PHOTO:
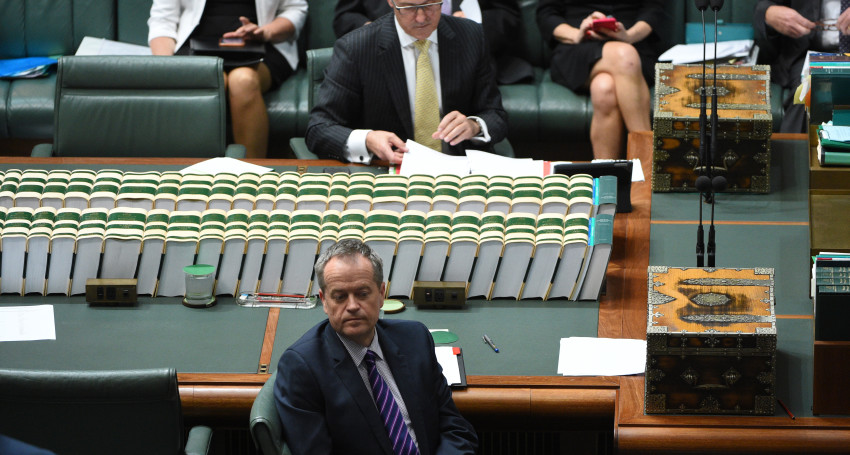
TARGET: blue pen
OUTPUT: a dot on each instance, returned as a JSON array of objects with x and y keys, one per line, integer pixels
[{"x": 490, "y": 343}]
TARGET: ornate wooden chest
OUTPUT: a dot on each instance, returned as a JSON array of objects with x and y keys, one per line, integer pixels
[
  {"x": 711, "y": 341},
  {"x": 744, "y": 126}
]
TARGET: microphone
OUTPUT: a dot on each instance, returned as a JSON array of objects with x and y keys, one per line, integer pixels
[
  {"x": 702, "y": 181},
  {"x": 713, "y": 183},
  {"x": 718, "y": 183},
  {"x": 703, "y": 185},
  {"x": 712, "y": 149}
]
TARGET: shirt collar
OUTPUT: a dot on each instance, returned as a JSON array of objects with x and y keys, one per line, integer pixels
[
  {"x": 406, "y": 40},
  {"x": 358, "y": 351}
]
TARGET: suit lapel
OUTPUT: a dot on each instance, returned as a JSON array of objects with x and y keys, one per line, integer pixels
[
  {"x": 409, "y": 393},
  {"x": 449, "y": 55},
  {"x": 389, "y": 54},
  {"x": 349, "y": 376}
]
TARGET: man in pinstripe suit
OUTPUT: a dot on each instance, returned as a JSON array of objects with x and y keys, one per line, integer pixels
[{"x": 365, "y": 104}]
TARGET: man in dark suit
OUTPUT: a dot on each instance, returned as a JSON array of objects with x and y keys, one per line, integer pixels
[
  {"x": 784, "y": 30},
  {"x": 325, "y": 380},
  {"x": 365, "y": 104},
  {"x": 501, "y": 20}
]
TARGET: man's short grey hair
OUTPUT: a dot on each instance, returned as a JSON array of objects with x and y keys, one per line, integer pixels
[{"x": 349, "y": 249}]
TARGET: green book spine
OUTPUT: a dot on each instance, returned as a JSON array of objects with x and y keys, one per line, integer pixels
[
  {"x": 836, "y": 158},
  {"x": 834, "y": 289}
]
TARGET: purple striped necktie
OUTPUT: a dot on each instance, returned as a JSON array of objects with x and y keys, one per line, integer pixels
[{"x": 389, "y": 410}]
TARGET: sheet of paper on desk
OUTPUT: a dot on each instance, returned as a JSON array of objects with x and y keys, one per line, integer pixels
[
  {"x": 99, "y": 46},
  {"x": 219, "y": 165},
  {"x": 422, "y": 160},
  {"x": 692, "y": 53},
  {"x": 27, "y": 323},
  {"x": 448, "y": 360},
  {"x": 836, "y": 133},
  {"x": 587, "y": 356},
  {"x": 488, "y": 164}
]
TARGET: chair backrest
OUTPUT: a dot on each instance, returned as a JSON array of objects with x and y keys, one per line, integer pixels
[
  {"x": 52, "y": 27},
  {"x": 264, "y": 423},
  {"x": 93, "y": 412},
  {"x": 140, "y": 106}
]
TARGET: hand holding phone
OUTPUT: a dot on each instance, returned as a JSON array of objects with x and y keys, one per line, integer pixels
[{"x": 605, "y": 23}]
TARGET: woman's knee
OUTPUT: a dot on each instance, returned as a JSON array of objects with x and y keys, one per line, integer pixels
[
  {"x": 603, "y": 93},
  {"x": 622, "y": 57},
  {"x": 243, "y": 81}
]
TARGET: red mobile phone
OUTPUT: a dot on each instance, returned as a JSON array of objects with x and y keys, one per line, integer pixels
[
  {"x": 609, "y": 22},
  {"x": 231, "y": 42}
]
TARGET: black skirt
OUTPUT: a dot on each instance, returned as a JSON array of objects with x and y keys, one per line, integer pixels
[{"x": 571, "y": 63}]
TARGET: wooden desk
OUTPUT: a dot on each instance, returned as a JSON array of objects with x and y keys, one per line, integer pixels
[
  {"x": 550, "y": 402},
  {"x": 536, "y": 402},
  {"x": 636, "y": 433}
]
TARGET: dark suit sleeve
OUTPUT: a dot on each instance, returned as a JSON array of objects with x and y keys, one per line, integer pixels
[
  {"x": 652, "y": 12},
  {"x": 767, "y": 39},
  {"x": 352, "y": 14},
  {"x": 501, "y": 21},
  {"x": 339, "y": 101},
  {"x": 300, "y": 406},
  {"x": 550, "y": 14}
]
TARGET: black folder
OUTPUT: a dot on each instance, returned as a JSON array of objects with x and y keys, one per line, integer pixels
[{"x": 234, "y": 56}]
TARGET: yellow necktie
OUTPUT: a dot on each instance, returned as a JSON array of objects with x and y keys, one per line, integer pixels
[{"x": 426, "y": 116}]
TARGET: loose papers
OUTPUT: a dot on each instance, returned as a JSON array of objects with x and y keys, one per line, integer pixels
[
  {"x": 26, "y": 323},
  {"x": 587, "y": 356}
]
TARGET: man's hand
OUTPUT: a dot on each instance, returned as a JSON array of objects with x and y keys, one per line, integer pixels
[
  {"x": 456, "y": 128},
  {"x": 386, "y": 146},
  {"x": 789, "y": 22},
  {"x": 843, "y": 22}
]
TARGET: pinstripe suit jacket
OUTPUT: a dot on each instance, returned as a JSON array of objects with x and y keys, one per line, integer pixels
[{"x": 365, "y": 87}]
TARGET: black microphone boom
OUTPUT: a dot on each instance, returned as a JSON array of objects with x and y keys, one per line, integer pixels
[
  {"x": 718, "y": 182},
  {"x": 701, "y": 159}
]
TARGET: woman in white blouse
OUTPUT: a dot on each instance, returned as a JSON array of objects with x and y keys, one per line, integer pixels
[{"x": 276, "y": 23}]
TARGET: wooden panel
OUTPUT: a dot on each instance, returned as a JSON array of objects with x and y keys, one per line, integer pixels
[{"x": 831, "y": 370}]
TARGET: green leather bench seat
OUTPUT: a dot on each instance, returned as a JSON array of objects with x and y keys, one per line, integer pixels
[{"x": 30, "y": 28}]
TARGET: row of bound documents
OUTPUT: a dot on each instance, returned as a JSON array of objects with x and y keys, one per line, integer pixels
[{"x": 510, "y": 247}]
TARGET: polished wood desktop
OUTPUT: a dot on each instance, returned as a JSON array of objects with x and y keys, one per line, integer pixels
[{"x": 547, "y": 401}]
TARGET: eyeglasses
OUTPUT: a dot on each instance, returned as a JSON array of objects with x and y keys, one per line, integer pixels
[
  {"x": 427, "y": 8},
  {"x": 827, "y": 24}
]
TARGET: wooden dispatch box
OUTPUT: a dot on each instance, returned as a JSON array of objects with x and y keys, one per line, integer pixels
[
  {"x": 711, "y": 341},
  {"x": 744, "y": 126}
]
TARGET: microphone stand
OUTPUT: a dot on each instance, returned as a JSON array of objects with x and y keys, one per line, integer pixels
[
  {"x": 701, "y": 159},
  {"x": 718, "y": 183}
]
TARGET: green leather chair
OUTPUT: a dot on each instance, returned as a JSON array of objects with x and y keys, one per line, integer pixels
[
  {"x": 98, "y": 412},
  {"x": 140, "y": 106},
  {"x": 264, "y": 422}
]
